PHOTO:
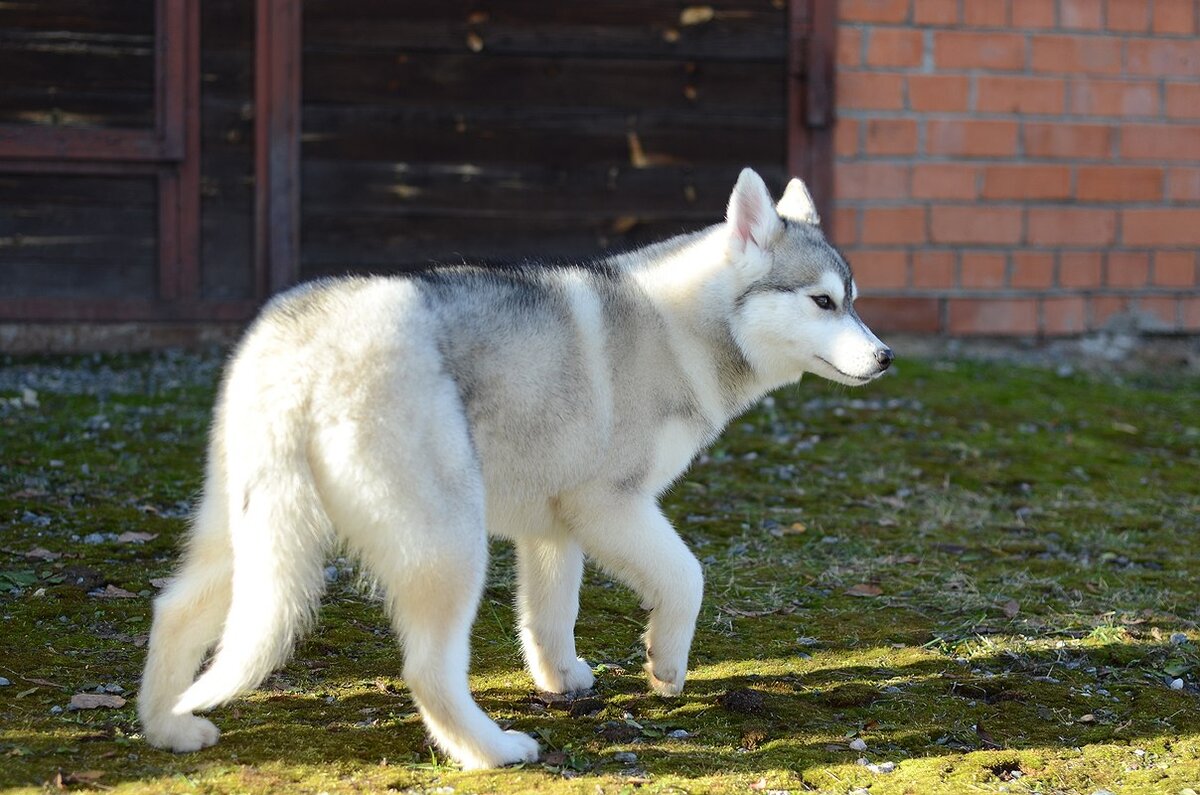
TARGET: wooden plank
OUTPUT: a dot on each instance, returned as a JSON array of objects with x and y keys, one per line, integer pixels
[
  {"x": 93, "y": 16},
  {"x": 88, "y": 310},
  {"x": 812, "y": 37},
  {"x": 739, "y": 30},
  {"x": 277, "y": 144},
  {"x": 434, "y": 80},
  {"x": 79, "y": 143}
]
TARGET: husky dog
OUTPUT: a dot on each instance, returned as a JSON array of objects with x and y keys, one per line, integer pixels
[{"x": 408, "y": 418}]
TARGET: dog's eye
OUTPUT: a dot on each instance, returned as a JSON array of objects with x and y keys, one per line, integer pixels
[{"x": 823, "y": 301}]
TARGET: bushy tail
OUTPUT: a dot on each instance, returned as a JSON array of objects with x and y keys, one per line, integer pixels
[{"x": 280, "y": 534}]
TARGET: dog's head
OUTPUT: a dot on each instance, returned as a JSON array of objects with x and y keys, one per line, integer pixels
[{"x": 794, "y": 311}]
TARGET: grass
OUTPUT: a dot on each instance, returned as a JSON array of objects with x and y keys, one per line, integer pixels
[{"x": 987, "y": 573}]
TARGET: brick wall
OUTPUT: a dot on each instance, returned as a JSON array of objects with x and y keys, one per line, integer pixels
[{"x": 1020, "y": 167}]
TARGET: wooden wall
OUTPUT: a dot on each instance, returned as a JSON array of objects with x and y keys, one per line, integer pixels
[{"x": 530, "y": 128}]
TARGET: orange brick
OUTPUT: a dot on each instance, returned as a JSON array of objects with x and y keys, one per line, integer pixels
[
  {"x": 849, "y": 46},
  {"x": 1118, "y": 184},
  {"x": 1160, "y": 142},
  {"x": 1026, "y": 182},
  {"x": 870, "y": 90},
  {"x": 933, "y": 269},
  {"x": 1162, "y": 309},
  {"x": 995, "y": 316},
  {"x": 1032, "y": 270},
  {"x": 1080, "y": 269},
  {"x": 1189, "y": 314},
  {"x": 1129, "y": 15},
  {"x": 880, "y": 269},
  {"x": 869, "y": 180},
  {"x": 1068, "y": 140},
  {"x": 891, "y": 137},
  {"x": 982, "y": 270},
  {"x": 1049, "y": 226},
  {"x": 845, "y": 138},
  {"x": 1033, "y": 13},
  {"x": 1164, "y": 57},
  {"x": 1067, "y": 315},
  {"x": 954, "y": 49},
  {"x": 1114, "y": 98},
  {"x": 1184, "y": 185},
  {"x": 1175, "y": 269},
  {"x": 1174, "y": 17},
  {"x": 971, "y": 138},
  {"x": 1183, "y": 100},
  {"x": 918, "y": 315},
  {"x": 984, "y": 14},
  {"x": 845, "y": 224},
  {"x": 1077, "y": 54},
  {"x": 1105, "y": 307},
  {"x": 975, "y": 224},
  {"x": 1128, "y": 269},
  {"x": 893, "y": 225},
  {"x": 936, "y": 12},
  {"x": 1163, "y": 226},
  {"x": 1081, "y": 14},
  {"x": 944, "y": 181},
  {"x": 1002, "y": 94},
  {"x": 873, "y": 10},
  {"x": 895, "y": 47},
  {"x": 938, "y": 92}
]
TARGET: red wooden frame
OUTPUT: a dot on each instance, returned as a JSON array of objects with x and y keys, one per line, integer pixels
[
  {"x": 277, "y": 64},
  {"x": 170, "y": 151},
  {"x": 812, "y": 36}
]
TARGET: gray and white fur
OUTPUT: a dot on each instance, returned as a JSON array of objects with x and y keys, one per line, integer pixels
[{"x": 408, "y": 418}]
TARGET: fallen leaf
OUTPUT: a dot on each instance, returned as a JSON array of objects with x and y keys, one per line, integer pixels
[
  {"x": 1011, "y": 608},
  {"x": 28, "y": 692},
  {"x": 696, "y": 15},
  {"x": 113, "y": 592},
  {"x": 985, "y": 737},
  {"x": 864, "y": 589},
  {"x": 474, "y": 42},
  {"x": 95, "y": 700},
  {"x": 1088, "y": 718},
  {"x": 136, "y": 538},
  {"x": 786, "y": 610},
  {"x": 796, "y": 527},
  {"x": 40, "y": 553}
]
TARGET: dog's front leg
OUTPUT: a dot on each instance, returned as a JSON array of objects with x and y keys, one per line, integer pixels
[{"x": 631, "y": 539}]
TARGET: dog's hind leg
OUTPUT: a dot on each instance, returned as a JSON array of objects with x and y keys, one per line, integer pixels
[
  {"x": 549, "y": 572},
  {"x": 188, "y": 616}
]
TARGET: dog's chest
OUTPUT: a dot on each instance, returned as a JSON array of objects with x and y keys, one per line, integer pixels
[{"x": 675, "y": 443}]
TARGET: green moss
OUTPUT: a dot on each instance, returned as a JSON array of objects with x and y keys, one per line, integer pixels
[{"x": 1033, "y": 537}]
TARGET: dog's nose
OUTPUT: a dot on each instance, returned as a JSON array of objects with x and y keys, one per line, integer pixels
[{"x": 884, "y": 357}]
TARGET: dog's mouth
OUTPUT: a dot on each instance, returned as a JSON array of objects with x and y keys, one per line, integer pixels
[{"x": 859, "y": 379}]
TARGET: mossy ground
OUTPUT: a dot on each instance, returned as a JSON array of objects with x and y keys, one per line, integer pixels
[{"x": 1027, "y": 543}]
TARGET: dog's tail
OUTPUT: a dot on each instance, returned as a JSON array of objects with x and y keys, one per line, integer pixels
[{"x": 280, "y": 534}]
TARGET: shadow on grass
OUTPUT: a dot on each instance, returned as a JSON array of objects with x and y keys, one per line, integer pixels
[{"x": 934, "y": 707}]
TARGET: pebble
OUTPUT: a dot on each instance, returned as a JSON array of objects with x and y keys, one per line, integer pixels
[
  {"x": 55, "y": 710},
  {"x": 1178, "y": 638},
  {"x": 860, "y": 791},
  {"x": 1177, "y": 684},
  {"x": 678, "y": 734},
  {"x": 858, "y": 744},
  {"x": 331, "y": 574},
  {"x": 4, "y": 682},
  {"x": 625, "y": 757}
]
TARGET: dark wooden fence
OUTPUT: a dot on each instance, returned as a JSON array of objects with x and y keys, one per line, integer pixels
[{"x": 424, "y": 130}]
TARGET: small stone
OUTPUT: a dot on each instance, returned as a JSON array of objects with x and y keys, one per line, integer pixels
[
  {"x": 860, "y": 791},
  {"x": 4, "y": 682},
  {"x": 1102, "y": 792},
  {"x": 678, "y": 734},
  {"x": 858, "y": 744},
  {"x": 625, "y": 757},
  {"x": 55, "y": 710},
  {"x": 29, "y": 397},
  {"x": 1177, "y": 684},
  {"x": 331, "y": 574},
  {"x": 1178, "y": 638},
  {"x": 885, "y": 767}
]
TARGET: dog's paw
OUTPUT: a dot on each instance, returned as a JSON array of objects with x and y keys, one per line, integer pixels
[
  {"x": 509, "y": 748},
  {"x": 183, "y": 734},
  {"x": 664, "y": 680},
  {"x": 575, "y": 675}
]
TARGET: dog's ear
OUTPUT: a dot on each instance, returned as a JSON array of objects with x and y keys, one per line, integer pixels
[
  {"x": 751, "y": 216},
  {"x": 797, "y": 204}
]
